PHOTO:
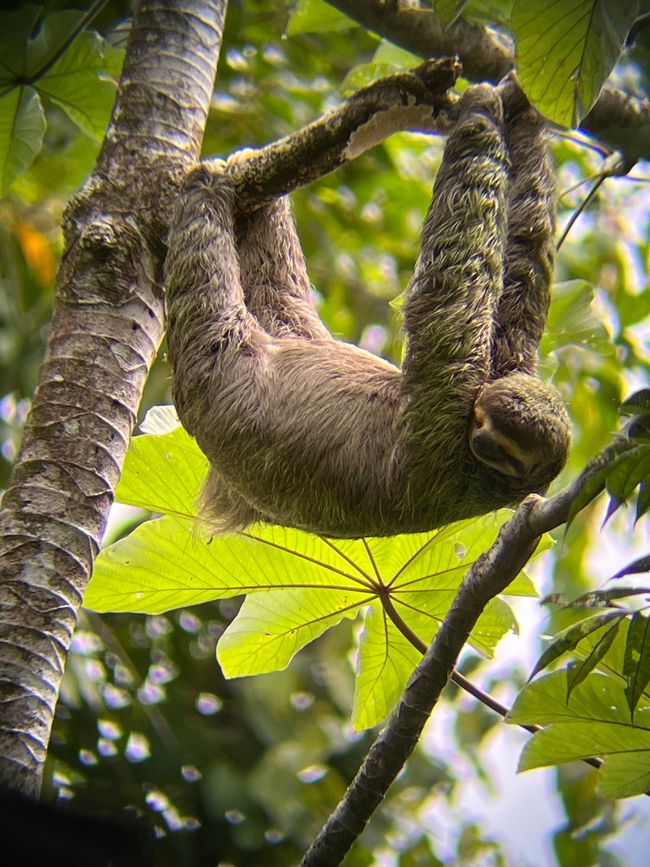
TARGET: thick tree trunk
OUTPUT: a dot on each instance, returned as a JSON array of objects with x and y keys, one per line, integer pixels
[{"x": 106, "y": 329}]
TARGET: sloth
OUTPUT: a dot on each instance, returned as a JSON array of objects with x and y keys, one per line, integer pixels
[{"x": 306, "y": 431}]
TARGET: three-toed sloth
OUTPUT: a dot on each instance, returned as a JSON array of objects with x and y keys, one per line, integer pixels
[{"x": 306, "y": 431}]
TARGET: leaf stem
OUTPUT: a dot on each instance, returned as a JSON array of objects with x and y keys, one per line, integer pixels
[{"x": 459, "y": 679}]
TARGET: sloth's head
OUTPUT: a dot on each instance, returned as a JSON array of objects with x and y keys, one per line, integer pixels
[{"x": 520, "y": 429}]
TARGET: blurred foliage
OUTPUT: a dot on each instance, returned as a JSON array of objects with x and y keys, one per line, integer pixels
[{"x": 243, "y": 772}]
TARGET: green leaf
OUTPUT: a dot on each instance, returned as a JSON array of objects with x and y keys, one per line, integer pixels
[
  {"x": 594, "y": 721},
  {"x": 305, "y": 583},
  {"x": 271, "y": 628},
  {"x": 637, "y": 403},
  {"x": 572, "y": 321},
  {"x": 599, "y": 698},
  {"x": 625, "y": 473},
  {"x": 165, "y": 564},
  {"x": 569, "y": 638},
  {"x": 22, "y": 128},
  {"x": 566, "y": 51},
  {"x": 489, "y": 11},
  {"x": 163, "y": 473},
  {"x": 83, "y": 81},
  {"x": 522, "y": 585},
  {"x": 579, "y": 671},
  {"x": 626, "y": 771},
  {"x": 316, "y": 16},
  {"x": 385, "y": 663},
  {"x": 636, "y": 661},
  {"x": 387, "y": 59},
  {"x": 448, "y": 11},
  {"x": 626, "y": 774},
  {"x": 15, "y": 31},
  {"x": 76, "y": 82}
]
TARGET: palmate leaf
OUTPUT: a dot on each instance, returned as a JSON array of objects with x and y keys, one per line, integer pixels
[
  {"x": 594, "y": 721},
  {"x": 297, "y": 584},
  {"x": 387, "y": 658},
  {"x": 301, "y": 585},
  {"x": 385, "y": 661},
  {"x": 83, "y": 81},
  {"x": 165, "y": 564},
  {"x": 22, "y": 120},
  {"x": 272, "y": 627}
]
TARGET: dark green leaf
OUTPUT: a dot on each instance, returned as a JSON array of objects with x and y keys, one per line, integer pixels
[
  {"x": 636, "y": 566},
  {"x": 571, "y": 637},
  {"x": 639, "y": 428},
  {"x": 625, "y": 474},
  {"x": 83, "y": 81},
  {"x": 643, "y": 501},
  {"x": 637, "y": 403},
  {"x": 636, "y": 663},
  {"x": 579, "y": 671},
  {"x": 15, "y": 31}
]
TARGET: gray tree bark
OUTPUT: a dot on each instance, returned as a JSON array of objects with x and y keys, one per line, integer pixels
[{"x": 106, "y": 329}]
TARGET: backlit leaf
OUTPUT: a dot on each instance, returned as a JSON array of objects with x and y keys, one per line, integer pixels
[{"x": 566, "y": 50}]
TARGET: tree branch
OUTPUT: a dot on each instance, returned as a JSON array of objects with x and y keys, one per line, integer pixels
[
  {"x": 616, "y": 119},
  {"x": 106, "y": 328},
  {"x": 418, "y": 99},
  {"x": 489, "y": 575}
]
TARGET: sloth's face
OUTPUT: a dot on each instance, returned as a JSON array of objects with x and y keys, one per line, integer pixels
[
  {"x": 496, "y": 448},
  {"x": 520, "y": 429}
]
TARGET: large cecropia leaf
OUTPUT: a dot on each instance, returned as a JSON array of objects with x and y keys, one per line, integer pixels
[{"x": 297, "y": 584}]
